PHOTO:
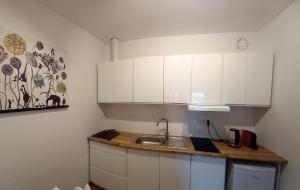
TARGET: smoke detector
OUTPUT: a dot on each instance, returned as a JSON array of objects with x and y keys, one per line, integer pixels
[{"x": 242, "y": 43}]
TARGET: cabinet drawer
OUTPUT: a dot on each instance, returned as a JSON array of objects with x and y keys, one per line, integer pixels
[
  {"x": 109, "y": 162},
  {"x": 108, "y": 149},
  {"x": 107, "y": 180}
]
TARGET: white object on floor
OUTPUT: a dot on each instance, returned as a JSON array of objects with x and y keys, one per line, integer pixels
[
  {"x": 56, "y": 188},
  {"x": 78, "y": 188},
  {"x": 86, "y": 187}
]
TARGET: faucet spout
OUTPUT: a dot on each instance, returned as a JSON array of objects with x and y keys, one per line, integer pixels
[{"x": 167, "y": 127}]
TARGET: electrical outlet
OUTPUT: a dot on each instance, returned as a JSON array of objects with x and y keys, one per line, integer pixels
[{"x": 203, "y": 123}]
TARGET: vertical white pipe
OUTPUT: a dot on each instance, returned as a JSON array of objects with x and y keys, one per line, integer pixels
[{"x": 115, "y": 48}]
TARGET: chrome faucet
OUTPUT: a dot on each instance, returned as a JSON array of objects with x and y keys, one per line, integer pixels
[{"x": 167, "y": 129}]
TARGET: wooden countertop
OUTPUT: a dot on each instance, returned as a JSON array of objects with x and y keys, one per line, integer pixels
[{"x": 127, "y": 140}]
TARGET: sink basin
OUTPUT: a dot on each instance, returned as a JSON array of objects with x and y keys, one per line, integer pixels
[
  {"x": 153, "y": 140},
  {"x": 158, "y": 140},
  {"x": 178, "y": 142}
]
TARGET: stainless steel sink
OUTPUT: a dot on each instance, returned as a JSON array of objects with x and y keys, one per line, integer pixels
[
  {"x": 152, "y": 140},
  {"x": 178, "y": 142},
  {"x": 158, "y": 140}
]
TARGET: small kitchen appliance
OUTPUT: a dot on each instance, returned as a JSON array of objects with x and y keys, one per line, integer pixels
[
  {"x": 246, "y": 176},
  {"x": 249, "y": 139},
  {"x": 234, "y": 138}
]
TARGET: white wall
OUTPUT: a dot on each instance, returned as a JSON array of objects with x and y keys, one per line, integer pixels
[
  {"x": 142, "y": 118},
  {"x": 42, "y": 149},
  {"x": 279, "y": 128},
  {"x": 202, "y": 43}
]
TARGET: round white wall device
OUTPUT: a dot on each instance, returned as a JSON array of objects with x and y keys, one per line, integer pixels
[{"x": 242, "y": 43}]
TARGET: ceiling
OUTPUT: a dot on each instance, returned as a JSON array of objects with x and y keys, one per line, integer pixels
[{"x": 134, "y": 19}]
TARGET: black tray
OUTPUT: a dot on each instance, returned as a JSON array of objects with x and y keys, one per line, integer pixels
[{"x": 107, "y": 134}]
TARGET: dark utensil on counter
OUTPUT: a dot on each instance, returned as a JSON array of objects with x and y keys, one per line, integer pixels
[
  {"x": 107, "y": 134},
  {"x": 234, "y": 142}
]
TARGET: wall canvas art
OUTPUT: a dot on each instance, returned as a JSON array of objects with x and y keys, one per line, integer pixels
[{"x": 32, "y": 75}]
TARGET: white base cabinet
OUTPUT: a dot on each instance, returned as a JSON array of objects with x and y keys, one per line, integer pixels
[
  {"x": 208, "y": 173},
  {"x": 174, "y": 171},
  {"x": 108, "y": 166},
  {"x": 115, "y": 168},
  {"x": 106, "y": 179},
  {"x": 143, "y": 170}
]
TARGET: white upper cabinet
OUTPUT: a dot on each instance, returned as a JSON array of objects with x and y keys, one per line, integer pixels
[
  {"x": 234, "y": 78},
  {"x": 207, "y": 79},
  {"x": 148, "y": 80},
  {"x": 259, "y": 79},
  {"x": 105, "y": 82},
  {"x": 177, "y": 79},
  {"x": 123, "y": 81}
]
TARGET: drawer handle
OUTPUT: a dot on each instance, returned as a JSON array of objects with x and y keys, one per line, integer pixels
[{"x": 254, "y": 177}]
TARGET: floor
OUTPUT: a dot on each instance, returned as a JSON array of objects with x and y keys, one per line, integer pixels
[{"x": 93, "y": 187}]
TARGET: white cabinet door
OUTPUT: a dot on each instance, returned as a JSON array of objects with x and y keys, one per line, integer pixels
[
  {"x": 106, "y": 179},
  {"x": 175, "y": 171},
  {"x": 207, "y": 79},
  {"x": 123, "y": 80},
  {"x": 259, "y": 79},
  {"x": 148, "y": 80},
  {"x": 177, "y": 79},
  {"x": 207, "y": 173},
  {"x": 142, "y": 170},
  {"x": 105, "y": 82},
  {"x": 234, "y": 79}
]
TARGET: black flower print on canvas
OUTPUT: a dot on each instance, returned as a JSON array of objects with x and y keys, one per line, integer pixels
[{"x": 33, "y": 76}]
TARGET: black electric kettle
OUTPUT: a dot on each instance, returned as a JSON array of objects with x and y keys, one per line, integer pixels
[{"x": 234, "y": 138}]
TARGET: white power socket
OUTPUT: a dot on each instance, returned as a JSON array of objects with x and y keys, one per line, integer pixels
[{"x": 203, "y": 123}]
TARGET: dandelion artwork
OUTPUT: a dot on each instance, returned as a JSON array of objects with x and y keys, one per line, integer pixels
[{"x": 32, "y": 75}]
